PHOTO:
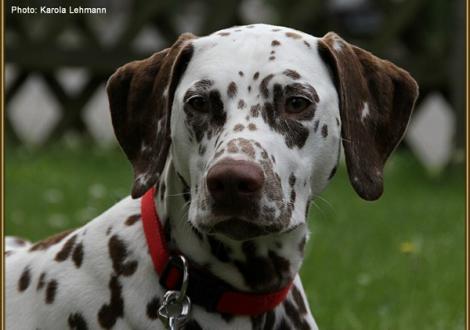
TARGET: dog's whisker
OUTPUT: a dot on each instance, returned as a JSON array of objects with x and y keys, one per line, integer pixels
[
  {"x": 324, "y": 200},
  {"x": 323, "y": 214}
]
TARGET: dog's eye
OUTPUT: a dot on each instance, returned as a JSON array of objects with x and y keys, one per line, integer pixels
[
  {"x": 297, "y": 104},
  {"x": 198, "y": 103}
]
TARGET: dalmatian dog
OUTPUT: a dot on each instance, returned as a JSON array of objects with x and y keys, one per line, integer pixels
[{"x": 238, "y": 131}]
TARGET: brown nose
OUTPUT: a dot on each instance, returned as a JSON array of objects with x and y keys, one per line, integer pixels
[{"x": 234, "y": 181}]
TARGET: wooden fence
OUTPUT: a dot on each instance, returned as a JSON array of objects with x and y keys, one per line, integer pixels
[{"x": 426, "y": 37}]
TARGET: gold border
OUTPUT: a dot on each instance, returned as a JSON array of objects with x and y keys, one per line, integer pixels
[
  {"x": 2, "y": 164},
  {"x": 2, "y": 146},
  {"x": 2, "y": 176}
]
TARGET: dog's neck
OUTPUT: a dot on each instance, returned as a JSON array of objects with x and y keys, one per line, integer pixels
[{"x": 263, "y": 264}]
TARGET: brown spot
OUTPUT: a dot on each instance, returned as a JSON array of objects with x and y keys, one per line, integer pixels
[
  {"x": 25, "y": 279},
  {"x": 108, "y": 231},
  {"x": 252, "y": 127},
  {"x": 299, "y": 300},
  {"x": 240, "y": 73},
  {"x": 293, "y": 35},
  {"x": 202, "y": 149},
  {"x": 44, "y": 244},
  {"x": 337, "y": 121},
  {"x": 246, "y": 147},
  {"x": 263, "y": 273},
  {"x": 276, "y": 30},
  {"x": 223, "y": 34},
  {"x": 238, "y": 128},
  {"x": 315, "y": 126},
  {"x": 292, "y": 74},
  {"x": 292, "y": 179},
  {"x": 51, "y": 291},
  {"x": 77, "y": 255},
  {"x": 109, "y": 313},
  {"x": 275, "y": 43},
  {"x": 264, "y": 85},
  {"x": 324, "y": 131},
  {"x": 273, "y": 52},
  {"x": 272, "y": 58},
  {"x": 256, "y": 75},
  {"x": 306, "y": 43},
  {"x": 255, "y": 110},
  {"x": 118, "y": 253},
  {"x": 241, "y": 104},
  {"x": 132, "y": 219},
  {"x": 304, "y": 239},
  {"x": 292, "y": 197},
  {"x": 232, "y": 89},
  {"x": 77, "y": 322},
  {"x": 152, "y": 308},
  {"x": 232, "y": 147},
  {"x": 41, "y": 281},
  {"x": 9, "y": 253},
  {"x": 219, "y": 249},
  {"x": 293, "y": 314},
  {"x": 249, "y": 88},
  {"x": 269, "y": 321},
  {"x": 19, "y": 241},
  {"x": 64, "y": 253}
]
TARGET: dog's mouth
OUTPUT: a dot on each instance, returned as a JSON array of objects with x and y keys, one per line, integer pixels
[{"x": 239, "y": 229}]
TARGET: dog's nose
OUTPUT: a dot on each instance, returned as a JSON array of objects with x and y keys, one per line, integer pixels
[{"x": 231, "y": 181}]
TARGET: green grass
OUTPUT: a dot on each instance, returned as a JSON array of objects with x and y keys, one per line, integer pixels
[{"x": 397, "y": 263}]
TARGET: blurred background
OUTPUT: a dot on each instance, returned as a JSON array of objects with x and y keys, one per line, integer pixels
[{"x": 397, "y": 263}]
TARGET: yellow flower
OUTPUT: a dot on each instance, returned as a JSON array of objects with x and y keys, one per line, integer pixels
[{"x": 407, "y": 247}]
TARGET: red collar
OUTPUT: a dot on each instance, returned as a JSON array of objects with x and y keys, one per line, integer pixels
[{"x": 204, "y": 288}]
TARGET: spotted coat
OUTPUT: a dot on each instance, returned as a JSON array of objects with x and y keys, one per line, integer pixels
[{"x": 283, "y": 109}]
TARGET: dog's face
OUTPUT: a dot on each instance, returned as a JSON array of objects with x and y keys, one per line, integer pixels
[
  {"x": 255, "y": 129},
  {"x": 254, "y": 116}
]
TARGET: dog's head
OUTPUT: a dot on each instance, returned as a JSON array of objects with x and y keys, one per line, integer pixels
[{"x": 254, "y": 117}]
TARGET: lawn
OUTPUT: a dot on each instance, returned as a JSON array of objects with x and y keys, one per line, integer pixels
[{"x": 397, "y": 263}]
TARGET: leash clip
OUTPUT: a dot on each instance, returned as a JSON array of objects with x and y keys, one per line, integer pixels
[{"x": 176, "y": 305}]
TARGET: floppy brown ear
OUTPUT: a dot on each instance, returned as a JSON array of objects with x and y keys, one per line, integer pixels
[
  {"x": 376, "y": 99},
  {"x": 140, "y": 96}
]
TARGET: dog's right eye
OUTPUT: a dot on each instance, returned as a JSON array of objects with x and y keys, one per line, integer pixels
[{"x": 198, "y": 103}]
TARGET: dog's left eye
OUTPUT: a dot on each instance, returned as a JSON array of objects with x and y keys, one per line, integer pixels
[
  {"x": 198, "y": 103},
  {"x": 297, "y": 104}
]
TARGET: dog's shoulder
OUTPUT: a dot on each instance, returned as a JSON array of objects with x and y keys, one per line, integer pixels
[{"x": 66, "y": 270}]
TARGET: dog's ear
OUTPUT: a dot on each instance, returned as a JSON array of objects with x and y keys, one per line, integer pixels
[
  {"x": 376, "y": 99},
  {"x": 140, "y": 96}
]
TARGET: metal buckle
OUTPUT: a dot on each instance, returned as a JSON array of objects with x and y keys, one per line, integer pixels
[{"x": 176, "y": 306}]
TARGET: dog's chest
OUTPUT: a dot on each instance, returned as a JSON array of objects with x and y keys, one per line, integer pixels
[{"x": 64, "y": 283}]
